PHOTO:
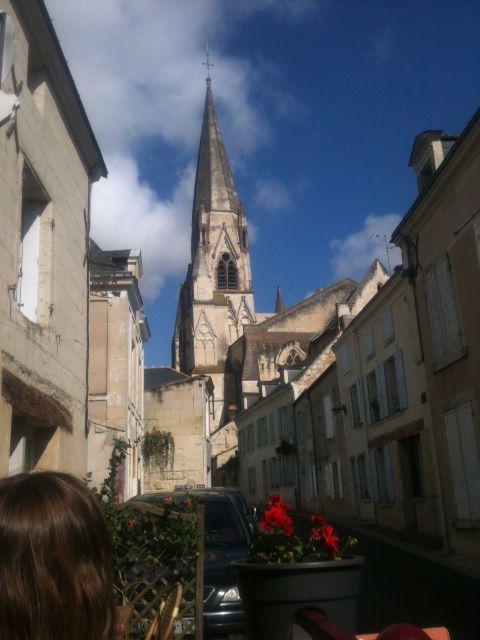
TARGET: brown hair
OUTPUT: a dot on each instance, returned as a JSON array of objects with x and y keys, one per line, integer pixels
[{"x": 55, "y": 561}]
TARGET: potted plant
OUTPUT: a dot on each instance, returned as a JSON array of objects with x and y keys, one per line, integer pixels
[{"x": 283, "y": 574}]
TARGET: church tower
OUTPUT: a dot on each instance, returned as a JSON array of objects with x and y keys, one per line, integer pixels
[{"x": 216, "y": 299}]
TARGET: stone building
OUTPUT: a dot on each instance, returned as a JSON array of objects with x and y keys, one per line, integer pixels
[
  {"x": 178, "y": 409},
  {"x": 216, "y": 299},
  {"x": 118, "y": 333},
  {"x": 390, "y": 461},
  {"x": 274, "y": 363},
  {"x": 49, "y": 160},
  {"x": 440, "y": 242}
]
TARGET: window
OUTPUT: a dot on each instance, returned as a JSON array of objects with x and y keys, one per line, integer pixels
[
  {"x": 344, "y": 359},
  {"x": 363, "y": 478},
  {"x": 353, "y": 397},
  {"x": 313, "y": 475},
  {"x": 250, "y": 438},
  {"x": 368, "y": 338},
  {"x": 442, "y": 312},
  {"x": 327, "y": 409},
  {"x": 415, "y": 464},
  {"x": 333, "y": 480},
  {"x": 294, "y": 359},
  {"x": 226, "y": 273},
  {"x": 262, "y": 432},
  {"x": 464, "y": 463},
  {"x": 32, "y": 262},
  {"x": 272, "y": 436},
  {"x": 395, "y": 380},
  {"x": 382, "y": 475},
  {"x": 387, "y": 325},
  {"x": 252, "y": 480},
  {"x": 241, "y": 442},
  {"x": 373, "y": 409}
]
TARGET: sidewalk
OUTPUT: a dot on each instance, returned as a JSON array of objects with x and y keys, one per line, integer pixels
[{"x": 418, "y": 544}]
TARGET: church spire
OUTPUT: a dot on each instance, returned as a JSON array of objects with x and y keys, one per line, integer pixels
[
  {"x": 279, "y": 306},
  {"x": 214, "y": 186}
]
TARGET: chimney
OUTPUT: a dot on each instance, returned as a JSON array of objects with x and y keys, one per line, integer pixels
[{"x": 428, "y": 152}]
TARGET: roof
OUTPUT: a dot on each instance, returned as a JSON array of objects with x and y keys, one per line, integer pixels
[
  {"x": 35, "y": 16},
  {"x": 214, "y": 186},
  {"x": 158, "y": 376},
  {"x": 438, "y": 174},
  {"x": 109, "y": 261}
]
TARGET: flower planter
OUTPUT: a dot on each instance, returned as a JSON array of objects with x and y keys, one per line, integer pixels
[{"x": 272, "y": 594}]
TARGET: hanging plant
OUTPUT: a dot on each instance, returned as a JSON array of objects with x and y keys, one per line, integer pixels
[
  {"x": 158, "y": 450},
  {"x": 285, "y": 448}
]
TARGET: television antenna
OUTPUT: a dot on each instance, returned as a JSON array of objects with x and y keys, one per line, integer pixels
[{"x": 387, "y": 248}]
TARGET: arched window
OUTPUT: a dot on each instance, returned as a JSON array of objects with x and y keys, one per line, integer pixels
[
  {"x": 293, "y": 359},
  {"x": 226, "y": 273}
]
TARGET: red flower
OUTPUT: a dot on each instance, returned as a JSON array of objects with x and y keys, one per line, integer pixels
[
  {"x": 317, "y": 520},
  {"x": 330, "y": 538},
  {"x": 275, "y": 519},
  {"x": 277, "y": 501}
]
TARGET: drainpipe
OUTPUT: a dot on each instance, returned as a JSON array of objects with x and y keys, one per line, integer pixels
[
  {"x": 86, "y": 215},
  {"x": 411, "y": 273}
]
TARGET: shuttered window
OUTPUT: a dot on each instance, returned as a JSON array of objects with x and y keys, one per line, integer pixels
[
  {"x": 464, "y": 457},
  {"x": 327, "y": 409},
  {"x": 442, "y": 312}
]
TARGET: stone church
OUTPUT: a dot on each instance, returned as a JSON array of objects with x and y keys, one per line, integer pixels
[
  {"x": 217, "y": 331},
  {"x": 216, "y": 299}
]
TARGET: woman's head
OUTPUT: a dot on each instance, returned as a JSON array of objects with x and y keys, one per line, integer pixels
[{"x": 55, "y": 563}]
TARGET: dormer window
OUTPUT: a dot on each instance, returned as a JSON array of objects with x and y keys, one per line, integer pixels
[{"x": 226, "y": 273}]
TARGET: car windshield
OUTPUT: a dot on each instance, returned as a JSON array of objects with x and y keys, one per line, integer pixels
[{"x": 222, "y": 524}]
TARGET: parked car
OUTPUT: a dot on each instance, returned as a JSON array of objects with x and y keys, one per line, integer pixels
[
  {"x": 249, "y": 512},
  {"x": 227, "y": 538}
]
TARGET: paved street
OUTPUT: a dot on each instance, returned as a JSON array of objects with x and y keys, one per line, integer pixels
[{"x": 397, "y": 586}]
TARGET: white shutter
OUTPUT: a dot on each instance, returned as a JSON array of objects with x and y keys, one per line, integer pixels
[
  {"x": 382, "y": 390},
  {"x": 456, "y": 466},
  {"x": 327, "y": 409},
  {"x": 471, "y": 462},
  {"x": 400, "y": 375},
  {"x": 442, "y": 311},
  {"x": 390, "y": 485},
  {"x": 372, "y": 466},
  {"x": 27, "y": 284}
]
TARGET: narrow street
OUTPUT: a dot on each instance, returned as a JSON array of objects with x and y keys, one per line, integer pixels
[{"x": 397, "y": 586}]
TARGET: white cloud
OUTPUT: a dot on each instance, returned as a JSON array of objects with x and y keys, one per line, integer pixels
[
  {"x": 353, "y": 255},
  {"x": 128, "y": 215},
  {"x": 271, "y": 195},
  {"x": 137, "y": 66}
]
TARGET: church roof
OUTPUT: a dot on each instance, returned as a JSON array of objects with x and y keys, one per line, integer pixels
[
  {"x": 214, "y": 187},
  {"x": 279, "y": 306},
  {"x": 158, "y": 376}
]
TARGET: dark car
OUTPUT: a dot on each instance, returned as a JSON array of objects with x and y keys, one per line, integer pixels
[
  {"x": 247, "y": 511},
  {"x": 227, "y": 538}
]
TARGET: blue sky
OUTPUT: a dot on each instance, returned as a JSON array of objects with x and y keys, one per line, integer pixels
[{"x": 318, "y": 103}]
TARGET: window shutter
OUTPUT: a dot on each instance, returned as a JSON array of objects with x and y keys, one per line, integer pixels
[
  {"x": 400, "y": 375},
  {"x": 381, "y": 390},
  {"x": 366, "y": 400},
  {"x": 442, "y": 311},
  {"x": 390, "y": 485},
  {"x": 361, "y": 401},
  {"x": 329, "y": 480},
  {"x": 476, "y": 230},
  {"x": 327, "y": 408},
  {"x": 456, "y": 466},
  {"x": 471, "y": 462},
  {"x": 373, "y": 475},
  {"x": 387, "y": 325},
  {"x": 350, "y": 406},
  {"x": 340, "y": 480}
]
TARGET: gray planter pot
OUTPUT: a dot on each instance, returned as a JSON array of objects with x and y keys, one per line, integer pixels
[{"x": 272, "y": 594}]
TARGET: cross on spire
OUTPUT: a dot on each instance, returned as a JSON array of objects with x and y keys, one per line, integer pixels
[{"x": 208, "y": 64}]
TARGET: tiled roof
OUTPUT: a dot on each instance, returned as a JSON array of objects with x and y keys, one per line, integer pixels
[{"x": 158, "y": 376}]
